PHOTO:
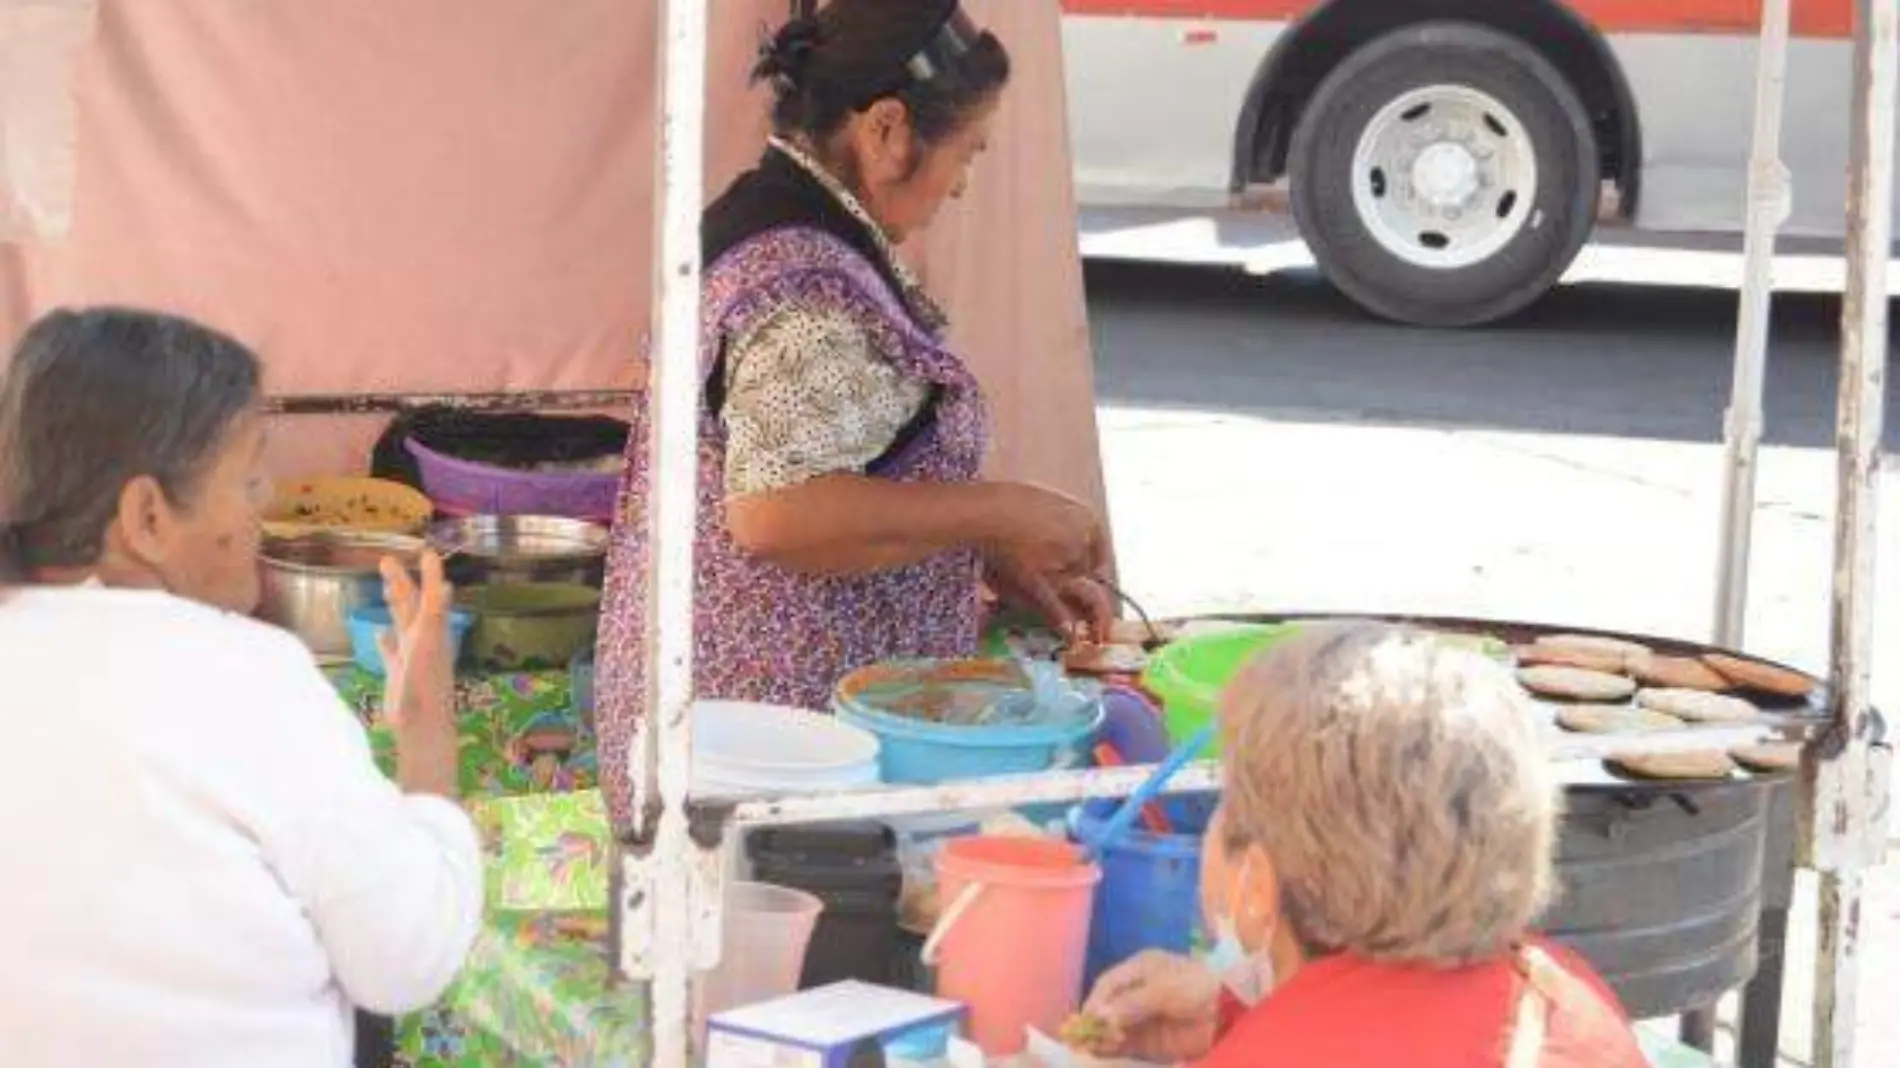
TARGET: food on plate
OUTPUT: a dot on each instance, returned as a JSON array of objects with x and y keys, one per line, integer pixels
[
  {"x": 1769, "y": 757},
  {"x": 1760, "y": 677},
  {"x": 1575, "y": 684},
  {"x": 1697, "y": 706},
  {"x": 364, "y": 504},
  {"x": 1088, "y": 658},
  {"x": 1613, "y": 719},
  {"x": 1091, "y": 1035},
  {"x": 1605, "y": 661},
  {"x": 1677, "y": 673},
  {"x": 1593, "y": 643},
  {"x": 1701, "y": 764}
]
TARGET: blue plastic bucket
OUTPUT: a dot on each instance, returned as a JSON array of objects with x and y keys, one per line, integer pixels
[
  {"x": 921, "y": 752},
  {"x": 369, "y": 623},
  {"x": 1150, "y": 893}
]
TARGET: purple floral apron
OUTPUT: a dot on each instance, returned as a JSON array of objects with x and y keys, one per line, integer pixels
[{"x": 761, "y": 632}]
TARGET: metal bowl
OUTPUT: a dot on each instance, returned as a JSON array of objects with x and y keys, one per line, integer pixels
[
  {"x": 514, "y": 550},
  {"x": 311, "y": 584}
]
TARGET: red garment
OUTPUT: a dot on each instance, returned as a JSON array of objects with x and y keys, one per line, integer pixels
[{"x": 1348, "y": 1012}]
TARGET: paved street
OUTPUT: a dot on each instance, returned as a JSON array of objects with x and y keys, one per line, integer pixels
[{"x": 1268, "y": 447}]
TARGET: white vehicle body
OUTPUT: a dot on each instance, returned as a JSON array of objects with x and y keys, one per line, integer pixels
[{"x": 1192, "y": 103}]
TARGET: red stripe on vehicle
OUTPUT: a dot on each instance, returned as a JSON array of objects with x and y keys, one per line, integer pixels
[{"x": 1812, "y": 18}]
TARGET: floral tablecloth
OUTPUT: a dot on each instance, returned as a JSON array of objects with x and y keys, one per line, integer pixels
[
  {"x": 519, "y": 733},
  {"x": 537, "y": 988}
]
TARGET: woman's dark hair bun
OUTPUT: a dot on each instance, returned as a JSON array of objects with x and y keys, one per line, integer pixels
[
  {"x": 785, "y": 57},
  {"x": 826, "y": 66}
]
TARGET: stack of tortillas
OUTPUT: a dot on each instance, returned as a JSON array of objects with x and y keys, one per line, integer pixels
[{"x": 1604, "y": 685}]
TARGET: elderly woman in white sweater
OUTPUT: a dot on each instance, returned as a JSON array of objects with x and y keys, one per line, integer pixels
[{"x": 203, "y": 865}]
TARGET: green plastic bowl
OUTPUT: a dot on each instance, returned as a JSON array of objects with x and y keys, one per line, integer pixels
[
  {"x": 1190, "y": 675},
  {"x": 529, "y": 627}
]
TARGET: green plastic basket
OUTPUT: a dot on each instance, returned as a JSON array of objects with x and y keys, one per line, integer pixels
[{"x": 1190, "y": 675}]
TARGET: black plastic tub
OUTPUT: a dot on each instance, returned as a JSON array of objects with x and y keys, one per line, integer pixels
[{"x": 853, "y": 869}]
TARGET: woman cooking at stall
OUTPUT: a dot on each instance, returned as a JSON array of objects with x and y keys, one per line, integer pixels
[{"x": 843, "y": 517}]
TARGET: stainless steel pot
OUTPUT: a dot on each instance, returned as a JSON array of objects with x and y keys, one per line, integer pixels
[
  {"x": 312, "y": 584},
  {"x": 522, "y": 550}
]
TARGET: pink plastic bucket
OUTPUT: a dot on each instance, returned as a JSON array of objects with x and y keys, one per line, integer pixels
[{"x": 1013, "y": 936}]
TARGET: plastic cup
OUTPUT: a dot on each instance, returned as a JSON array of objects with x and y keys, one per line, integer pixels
[{"x": 767, "y": 931}]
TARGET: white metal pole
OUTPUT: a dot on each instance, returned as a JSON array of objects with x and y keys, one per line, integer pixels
[
  {"x": 658, "y": 910},
  {"x": 1848, "y": 806},
  {"x": 1767, "y": 209}
]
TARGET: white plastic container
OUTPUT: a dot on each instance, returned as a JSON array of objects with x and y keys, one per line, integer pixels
[{"x": 742, "y": 750}]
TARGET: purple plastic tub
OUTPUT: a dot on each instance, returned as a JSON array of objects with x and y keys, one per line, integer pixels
[{"x": 468, "y": 488}]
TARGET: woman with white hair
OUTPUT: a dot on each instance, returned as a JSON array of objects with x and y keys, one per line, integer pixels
[{"x": 1383, "y": 845}]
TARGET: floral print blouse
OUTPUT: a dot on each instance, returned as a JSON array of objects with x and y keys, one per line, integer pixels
[{"x": 807, "y": 391}]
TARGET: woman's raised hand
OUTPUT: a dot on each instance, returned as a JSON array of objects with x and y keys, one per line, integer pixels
[
  {"x": 419, "y": 691},
  {"x": 1165, "y": 1007},
  {"x": 417, "y": 650}
]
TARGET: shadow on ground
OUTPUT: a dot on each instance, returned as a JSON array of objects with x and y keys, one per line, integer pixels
[{"x": 1625, "y": 361}]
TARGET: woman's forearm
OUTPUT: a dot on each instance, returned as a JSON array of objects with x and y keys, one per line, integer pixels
[{"x": 852, "y": 524}]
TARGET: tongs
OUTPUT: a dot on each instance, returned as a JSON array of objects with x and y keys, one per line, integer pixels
[{"x": 1155, "y": 637}]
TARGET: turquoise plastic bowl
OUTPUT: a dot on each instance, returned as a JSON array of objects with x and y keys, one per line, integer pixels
[
  {"x": 368, "y": 624},
  {"x": 919, "y": 752}
]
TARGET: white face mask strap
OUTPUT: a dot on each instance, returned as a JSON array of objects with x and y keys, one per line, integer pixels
[
  {"x": 1235, "y": 886},
  {"x": 1533, "y": 1013}
]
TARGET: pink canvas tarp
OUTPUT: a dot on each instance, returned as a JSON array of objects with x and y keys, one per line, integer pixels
[{"x": 458, "y": 196}]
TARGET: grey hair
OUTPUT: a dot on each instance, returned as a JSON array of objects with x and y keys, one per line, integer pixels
[
  {"x": 1399, "y": 788},
  {"x": 92, "y": 399}
]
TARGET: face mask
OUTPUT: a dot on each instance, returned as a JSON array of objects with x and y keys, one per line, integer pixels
[{"x": 1247, "y": 977}]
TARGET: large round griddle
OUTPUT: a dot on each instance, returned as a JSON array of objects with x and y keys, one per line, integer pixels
[{"x": 1800, "y": 717}]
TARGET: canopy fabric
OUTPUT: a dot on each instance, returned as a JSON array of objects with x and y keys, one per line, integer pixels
[{"x": 438, "y": 195}]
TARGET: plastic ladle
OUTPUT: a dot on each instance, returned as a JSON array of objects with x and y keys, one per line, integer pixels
[{"x": 1130, "y": 809}]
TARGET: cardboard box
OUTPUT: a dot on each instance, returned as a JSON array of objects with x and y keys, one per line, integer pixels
[{"x": 835, "y": 1026}]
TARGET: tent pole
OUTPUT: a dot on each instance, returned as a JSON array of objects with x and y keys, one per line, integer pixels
[
  {"x": 1850, "y": 775},
  {"x": 1768, "y": 202},
  {"x": 658, "y": 911}
]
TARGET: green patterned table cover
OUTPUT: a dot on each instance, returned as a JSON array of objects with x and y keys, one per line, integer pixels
[
  {"x": 518, "y": 733},
  {"x": 547, "y": 852},
  {"x": 537, "y": 991}
]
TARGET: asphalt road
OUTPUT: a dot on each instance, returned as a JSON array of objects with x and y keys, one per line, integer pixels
[
  {"x": 1269, "y": 447},
  {"x": 1593, "y": 359}
]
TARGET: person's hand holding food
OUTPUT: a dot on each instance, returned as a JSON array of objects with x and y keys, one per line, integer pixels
[{"x": 1157, "y": 1007}]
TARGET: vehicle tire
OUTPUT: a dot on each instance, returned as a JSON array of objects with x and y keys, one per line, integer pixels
[{"x": 1444, "y": 174}]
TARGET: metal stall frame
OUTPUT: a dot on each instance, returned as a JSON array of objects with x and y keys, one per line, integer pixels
[{"x": 668, "y": 905}]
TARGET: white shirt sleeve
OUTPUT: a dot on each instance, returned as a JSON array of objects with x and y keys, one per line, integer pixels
[{"x": 392, "y": 882}]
